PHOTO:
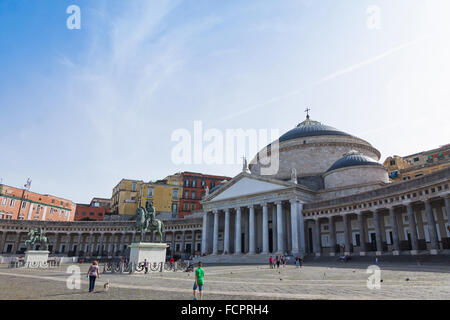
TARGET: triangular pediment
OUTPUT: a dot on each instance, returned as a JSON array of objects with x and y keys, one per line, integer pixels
[{"x": 246, "y": 184}]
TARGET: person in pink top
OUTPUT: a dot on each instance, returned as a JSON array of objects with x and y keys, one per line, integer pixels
[
  {"x": 271, "y": 262},
  {"x": 93, "y": 274}
]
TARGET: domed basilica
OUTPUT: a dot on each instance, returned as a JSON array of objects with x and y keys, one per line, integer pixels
[{"x": 327, "y": 195}]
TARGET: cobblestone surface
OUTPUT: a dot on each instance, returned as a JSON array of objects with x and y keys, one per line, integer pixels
[{"x": 340, "y": 281}]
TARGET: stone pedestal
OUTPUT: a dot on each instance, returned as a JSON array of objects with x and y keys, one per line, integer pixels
[
  {"x": 434, "y": 252},
  {"x": 332, "y": 254},
  {"x": 36, "y": 258},
  {"x": 414, "y": 252},
  {"x": 152, "y": 252},
  {"x": 396, "y": 253},
  {"x": 362, "y": 253}
]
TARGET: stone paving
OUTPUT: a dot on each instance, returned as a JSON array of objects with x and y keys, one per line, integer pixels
[{"x": 313, "y": 281}]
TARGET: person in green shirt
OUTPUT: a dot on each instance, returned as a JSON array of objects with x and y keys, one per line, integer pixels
[{"x": 199, "y": 275}]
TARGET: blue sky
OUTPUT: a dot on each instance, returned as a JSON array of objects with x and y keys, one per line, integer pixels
[{"x": 82, "y": 109}]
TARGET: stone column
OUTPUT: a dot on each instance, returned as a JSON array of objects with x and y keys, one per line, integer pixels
[
  {"x": 100, "y": 244},
  {"x": 226, "y": 233},
  {"x": 317, "y": 237},
  {"x": 17, "y": 243},
  {"x": 193, "y": 243},
  {"x": 274, "y": 229},
  {"x": 3, "y": 240},
  {"x": 395, "y": 236},
  {"x": 447, "y": 206},
  {"x": 183, "y": 241},
  {"x": 301, "y": 229},
  {"x": 280, "y": 233},
  {"x": 216, "y": 232},
  {"x": 173, "y": 249},
  {"x": 111, "y": 243},
  {"x": 59, "y": 239},
  {"x": 122, "y": 243},
  {"x": 70, "y": 245},
  {"x": 347, "y": 234},
  {"x": 133, "y": 238},
  {"x": 251, "y": 221},
  {"x": 294, "y": 227},
  {"x": 204, "y": 232},
  {"x": 431, "y": 228},
  {"x": 80, "y": 240},
  {"x": 238, "y": 244},
  {"x": 332, "y": 232},
  {"x": 362, "y": 234},
  {"x": 89, "y": 248},
  {"x": 265, "y": 227},
  {"x": 378, "y": 236},
  {"x": 412, "y": 228}
]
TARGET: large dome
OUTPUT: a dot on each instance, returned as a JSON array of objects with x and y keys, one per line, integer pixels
[
  {"x": 352, "y": 159},
  {"x": 309, "y": 128},
  {"x": 310, "y": 148},
  {"x": 355, "y": 169}
]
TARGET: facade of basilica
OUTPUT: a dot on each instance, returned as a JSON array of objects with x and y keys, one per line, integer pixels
[{"x": 330, "y": 196}]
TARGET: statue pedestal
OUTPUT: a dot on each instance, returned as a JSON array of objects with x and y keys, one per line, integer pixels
[
  {"x": 36, "y": 258},
  {"x": 153, "y": 252}
]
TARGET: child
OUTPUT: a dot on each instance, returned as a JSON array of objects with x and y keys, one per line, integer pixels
[{"x": 199, "y": 275}]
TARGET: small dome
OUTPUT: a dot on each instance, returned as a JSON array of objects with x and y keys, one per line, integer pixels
[
  {"x": 309, "y": 128},
  {"x": 353, "y": 158}
]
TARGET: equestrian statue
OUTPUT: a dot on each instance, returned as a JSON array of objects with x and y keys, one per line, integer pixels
[
  {"x": 145, "y": 220},
  {"x": 35, "y": 235}
]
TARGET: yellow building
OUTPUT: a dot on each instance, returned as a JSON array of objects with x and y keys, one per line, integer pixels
[
  {"x": 418, "y": 164},
  {"x": 129, "y": 194}
]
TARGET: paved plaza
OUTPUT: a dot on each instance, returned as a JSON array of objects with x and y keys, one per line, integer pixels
[{"x": 312, "y": 281}]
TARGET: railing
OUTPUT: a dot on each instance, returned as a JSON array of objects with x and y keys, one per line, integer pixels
[
  {"x": 141, "y": 267},
  {"x": 20, "y": 263}
]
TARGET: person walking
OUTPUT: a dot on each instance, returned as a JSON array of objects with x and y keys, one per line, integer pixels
[
  {"x": 277, "y": 260},
  {"x": 297, "y": 262},
  {"x": 199, "y": 281},
  {"x": 146, "y": 265},
  {"x": 271, "y": 262},
  {"x": 283, "y": 261},
  {"x": 93, "y": 274}
]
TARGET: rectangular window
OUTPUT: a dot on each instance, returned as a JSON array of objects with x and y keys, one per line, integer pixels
[
  {"x": 186, "y": 183},
  {"x": 186, "y": 194},
  {"x": 175, "y": 193},
  {"x": 194, "y": 183},
  {"x": 392, "y": 162},
  {"x": 133, "y": 186},
  {"x": 186, "y": 206},
  {"x": 416, "y": 159},
  {"x": 12, "y": 203},
  {"x": 150, "y": 192},
  {"x": 24, "y": 205},
  {"x": 192, "y": 206},
  {"x": 193, "y": 195},
  {"x": 4, "y": 201}
]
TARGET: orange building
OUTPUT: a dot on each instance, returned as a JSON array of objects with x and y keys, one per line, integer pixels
[
  {"x": 95, "y": 211},
  {"x": 22, "y": 204}
]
